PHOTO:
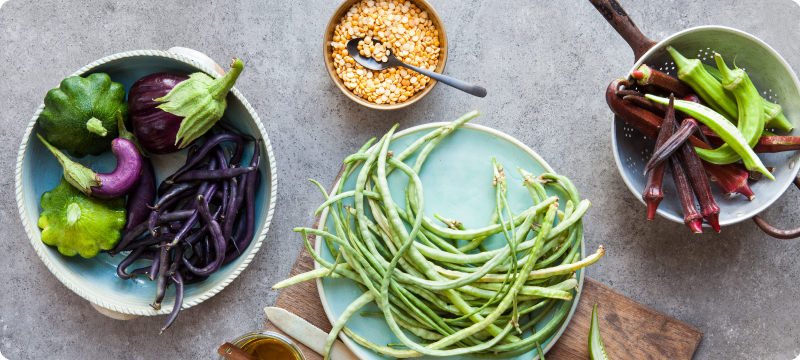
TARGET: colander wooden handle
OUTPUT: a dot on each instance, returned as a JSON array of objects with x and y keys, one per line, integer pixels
[
  {"x": 619, "y": 19},
  {"x": 775, "y": 232}
]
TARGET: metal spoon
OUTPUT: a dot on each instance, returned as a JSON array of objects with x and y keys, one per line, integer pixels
[{"x": 372, "y": 64}]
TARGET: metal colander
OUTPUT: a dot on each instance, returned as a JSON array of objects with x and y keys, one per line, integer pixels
[{"x": 771, "y": 75}]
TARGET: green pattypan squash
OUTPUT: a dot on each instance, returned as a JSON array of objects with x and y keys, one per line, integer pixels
[
  {"x": 78, "y": 224},
  {"x": 80, "y": 115}
]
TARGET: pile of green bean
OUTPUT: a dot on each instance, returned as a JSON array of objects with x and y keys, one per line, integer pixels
[{"x": 439, "y": 282}]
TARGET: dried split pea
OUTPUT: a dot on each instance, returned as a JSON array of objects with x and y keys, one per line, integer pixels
[{"x": 387, "y": 26}]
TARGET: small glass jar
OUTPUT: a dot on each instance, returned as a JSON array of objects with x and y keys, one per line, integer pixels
[{"x": 250, "y": 341}]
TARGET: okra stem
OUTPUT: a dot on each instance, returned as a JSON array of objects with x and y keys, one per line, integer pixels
[{"x": 649, "y": 76}]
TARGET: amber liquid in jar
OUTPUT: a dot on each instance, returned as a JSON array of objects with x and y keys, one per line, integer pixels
[{"x": 272, "y": 349}]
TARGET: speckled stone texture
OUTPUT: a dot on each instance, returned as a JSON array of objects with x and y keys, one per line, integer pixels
[{"x": 545, "y": 65}]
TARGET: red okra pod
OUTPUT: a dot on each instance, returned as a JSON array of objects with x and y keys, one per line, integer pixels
[
  {"x": 731, "y": 178},
  {"x": 674, "y": 143},
  {"x": 648, "y": 123},
  {"x": 646, "y": 104},
  {"x": 634, "y": 93},
  {"x": 641, "y": 119},
  {"x": 653, "y": 193},
  {"x": 692, "y": 97},
  {"x": 652, "y": 106},
  {"x": 646, "y": 75},
  {"x": 691, "y": 217},
  {"x": 766, "y": 144},
  {"x": 774, "y": 144},
  {"x": 702, "y": 189}
]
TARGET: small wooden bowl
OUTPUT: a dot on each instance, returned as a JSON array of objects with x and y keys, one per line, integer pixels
[{"x": 327, "y": 51}]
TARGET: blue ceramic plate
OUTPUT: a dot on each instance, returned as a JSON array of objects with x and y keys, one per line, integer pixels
[
  {"x": 457, "y": 182},
  {"x": 95, "y": 279}
]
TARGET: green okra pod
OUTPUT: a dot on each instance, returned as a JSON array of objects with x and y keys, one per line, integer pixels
[
  {"x": 749, "y": 108},
  {"x": 774, "y": 112},
  {"x": 692, "y": 72},
  {"x": 596, "y": 349},
  {"x": 724, "y": 128}
]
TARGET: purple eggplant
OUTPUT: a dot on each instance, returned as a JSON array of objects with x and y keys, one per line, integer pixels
[
  {"x": 104, "y": 186},
  {"x": 169, "y": 111}
]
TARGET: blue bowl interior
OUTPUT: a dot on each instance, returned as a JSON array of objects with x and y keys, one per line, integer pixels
[
  {"x": 97, "y": 276},
  {"x": 457, "y": 179}
]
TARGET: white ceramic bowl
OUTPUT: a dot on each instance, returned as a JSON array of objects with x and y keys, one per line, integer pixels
[{"x": 94, "y": 279}]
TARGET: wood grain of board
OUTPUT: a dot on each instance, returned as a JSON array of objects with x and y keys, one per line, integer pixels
[{"x": 629, "y": 329}]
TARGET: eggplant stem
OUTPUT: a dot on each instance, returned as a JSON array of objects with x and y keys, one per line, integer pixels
[
  {"x": 76, "y": 174},
  {"x": 223, "y": 85}
]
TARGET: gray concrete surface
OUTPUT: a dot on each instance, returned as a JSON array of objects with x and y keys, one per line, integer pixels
[{"x": 545, "y": 64}]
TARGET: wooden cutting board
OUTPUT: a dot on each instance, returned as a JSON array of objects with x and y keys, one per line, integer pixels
[{"x": 629, "y": 329}]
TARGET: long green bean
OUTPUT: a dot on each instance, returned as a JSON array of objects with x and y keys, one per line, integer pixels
[{"x": 459, "y": 300}]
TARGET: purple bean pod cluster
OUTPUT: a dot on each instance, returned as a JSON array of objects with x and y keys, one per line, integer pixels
[{"x": 204, "y": 218}]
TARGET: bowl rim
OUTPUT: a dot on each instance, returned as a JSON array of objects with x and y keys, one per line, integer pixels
[
  {"x": 326, "y": 39},
  {"x": 266, "y": 334},
  {"x": 614, "y": 123},
  {"x": 36, "y": 241},
  {"x": 351, "y": 344}
]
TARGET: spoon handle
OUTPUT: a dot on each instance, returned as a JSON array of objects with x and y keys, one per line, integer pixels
[
  {"x": 458, "y": 84},
  {"x": 231, "y": 352}
]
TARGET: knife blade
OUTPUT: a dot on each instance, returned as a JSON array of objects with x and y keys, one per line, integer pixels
[{"x": 307, "y": 334}]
